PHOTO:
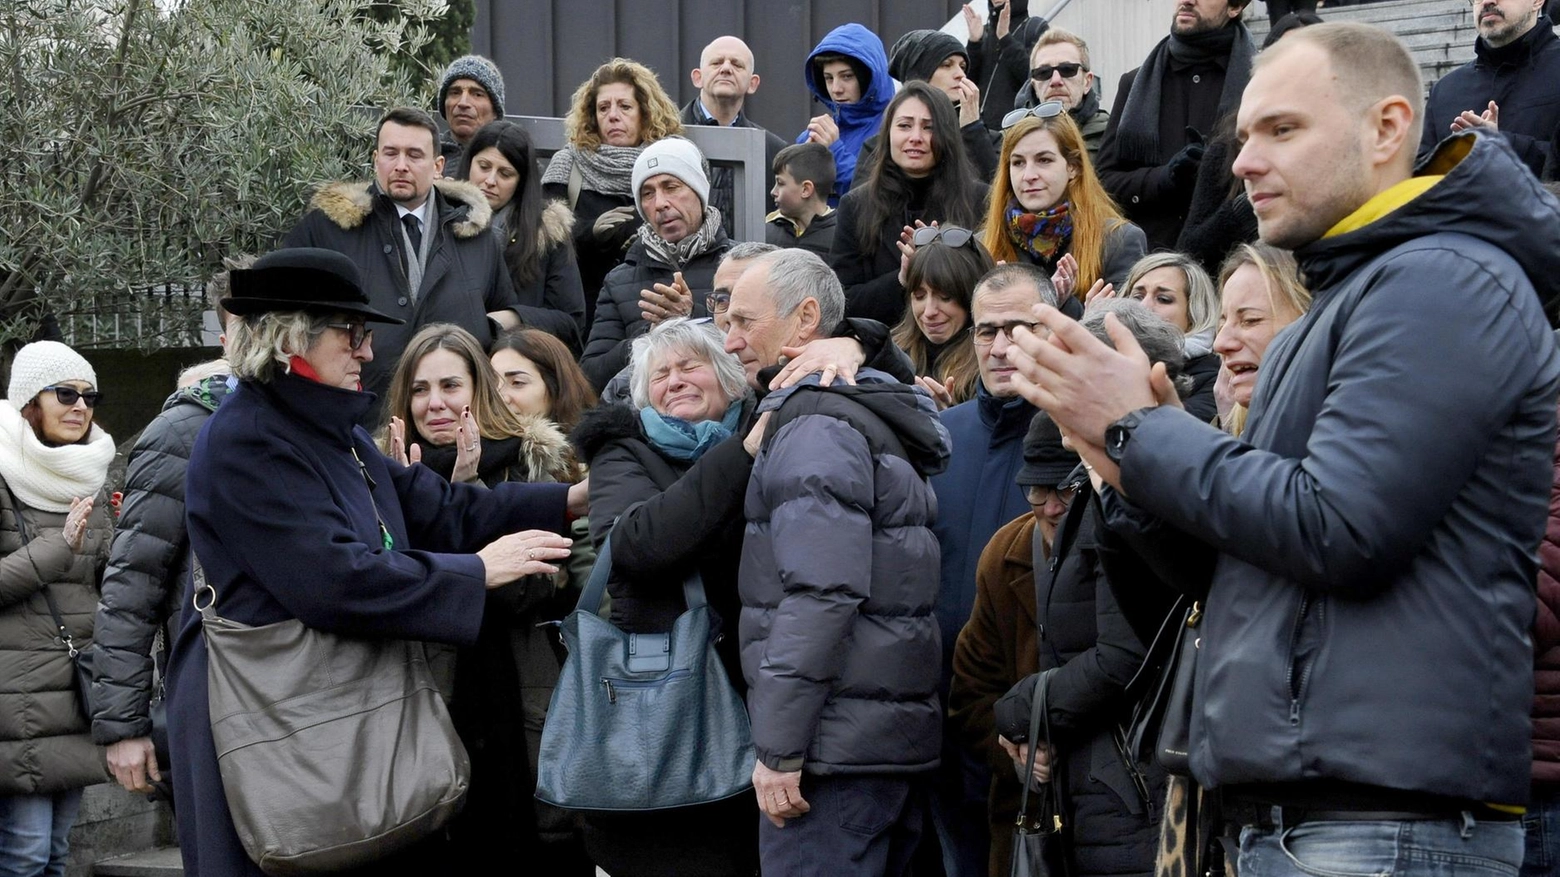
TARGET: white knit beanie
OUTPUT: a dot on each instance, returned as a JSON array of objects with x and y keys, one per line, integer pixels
[
  {"x": 44, "y": 364},
  {"x": 678, "y": 157}
]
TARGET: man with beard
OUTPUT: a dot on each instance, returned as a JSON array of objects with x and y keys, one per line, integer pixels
[
  {"x": 1510, "y": 86},
  {"x": 724, "y": 79},
  {"x": 1164, "y": 110}
]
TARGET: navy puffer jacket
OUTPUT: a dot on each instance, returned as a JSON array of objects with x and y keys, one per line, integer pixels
[{"x": 839, "y": 575}]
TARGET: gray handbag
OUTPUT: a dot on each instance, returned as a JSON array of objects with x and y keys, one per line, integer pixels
[
  {"x": 642, "y": 721},
  {"x": 334, "y": 752}
]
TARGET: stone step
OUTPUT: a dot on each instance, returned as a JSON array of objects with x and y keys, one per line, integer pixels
[{"x": 164, "y": 862}]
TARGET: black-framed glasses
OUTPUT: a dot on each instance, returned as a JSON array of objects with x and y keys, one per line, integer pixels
[
  {"x": 718, "y": 301},
  {"x": 1038, "y": 494},
  {"x": 357, "y": 332},
  {"x": 951, "y": 235},
  {"x": 986, "y": 333},
  {"x": 1048, "y": 110},
  {"x": 1044, "y": 71},
  {"x": 67, "y": 396}
]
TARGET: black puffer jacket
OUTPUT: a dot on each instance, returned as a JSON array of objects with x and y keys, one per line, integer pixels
[
  {"x": 148, "y": 564},
  {"x": 618, "y": 318}
]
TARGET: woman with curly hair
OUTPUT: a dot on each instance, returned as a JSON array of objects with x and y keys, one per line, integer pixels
[{"x": 612, "y": 116}]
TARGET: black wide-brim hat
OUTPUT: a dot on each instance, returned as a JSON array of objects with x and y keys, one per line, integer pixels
[{"x": 301, "y": 279}]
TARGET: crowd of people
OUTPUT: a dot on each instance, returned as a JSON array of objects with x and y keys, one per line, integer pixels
[{"x": 1014, "y": 385}]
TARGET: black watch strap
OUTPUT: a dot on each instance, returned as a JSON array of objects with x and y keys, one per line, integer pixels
[{"x": 1119, "y": 434}]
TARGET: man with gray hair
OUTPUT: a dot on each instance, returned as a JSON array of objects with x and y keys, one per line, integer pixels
[{"x": 838, "y": 641}]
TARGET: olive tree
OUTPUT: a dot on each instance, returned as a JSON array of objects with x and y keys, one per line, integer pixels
[{"x": 144, "y": 141}]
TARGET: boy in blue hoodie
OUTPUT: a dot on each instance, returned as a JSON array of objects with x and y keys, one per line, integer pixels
[{"x": 848, "y": 74}]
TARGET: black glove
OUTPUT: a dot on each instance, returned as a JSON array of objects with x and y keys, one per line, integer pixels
[
  {"x": 1014, "y": 708},
  {"x": 1183, "y": 165}
]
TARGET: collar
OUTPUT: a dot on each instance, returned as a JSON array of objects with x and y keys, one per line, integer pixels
[
  {"x": 1002, "y": 414},
  {"x": 1517, "y": 51},
  {"x": 1383, "y": 203},
  {"x": 330, "y": 411},
  {"x": 709, "y": 117},
  {"x": 421, "y": 212}
]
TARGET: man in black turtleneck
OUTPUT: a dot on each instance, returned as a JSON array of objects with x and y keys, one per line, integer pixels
[
  {"x": 1164, "y": 110},
  {"x": 1511, "y": 86}
]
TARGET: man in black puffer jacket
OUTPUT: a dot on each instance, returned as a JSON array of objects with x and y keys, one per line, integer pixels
[{"x": 670, "y": 268}]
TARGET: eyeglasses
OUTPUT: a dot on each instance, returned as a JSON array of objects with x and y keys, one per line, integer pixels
[
  {"x": 986, "y": 333},
  {"x": 1039, "y": 494},
  {"x": 357, "y": 333},
  {"x": 69, "y": 395},
  {"x": 1048, "y": 110},
  {"x": 718, "y": 301},
  {"x": 950, "y": 235},
  {"x": 1044, "y": 71}
]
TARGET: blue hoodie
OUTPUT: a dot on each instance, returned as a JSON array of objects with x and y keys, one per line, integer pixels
[{"x": 860, "y": 120}]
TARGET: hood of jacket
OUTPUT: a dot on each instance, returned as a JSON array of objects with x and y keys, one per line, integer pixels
[
  {"x": 603, "y": 425},
  {"x": 909, "y": 414},
  {"x": 349, "y": 203},
  {"x": 207, "y": 394},
  {"x": 857, "y": 42},
  {"x": 557, "y": 227},
  {"x": 1486, "y": 193}
]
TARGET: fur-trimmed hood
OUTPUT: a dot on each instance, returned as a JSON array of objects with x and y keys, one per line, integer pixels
[
  {"x": 557, "y": 226},
  {"x": 603, "y": 425},
  {"x": 545, "y": 450},
  {"x": 349, "y": 203}
]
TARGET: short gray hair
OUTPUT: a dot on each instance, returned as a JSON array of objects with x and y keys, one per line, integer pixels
[
  {"x": 797, "y": 275},
  {"x": 699, "y": 339},
  {"x": 1202, "y": 299},
  {"x": 1161, "y": 341},
  {"x": 263, "y": 343},
  {"x": 748, "y": 250},
  {"x": 1016, "y": 274}
]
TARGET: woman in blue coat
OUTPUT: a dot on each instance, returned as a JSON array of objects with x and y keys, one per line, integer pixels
[{"x": 289, "y": 524}]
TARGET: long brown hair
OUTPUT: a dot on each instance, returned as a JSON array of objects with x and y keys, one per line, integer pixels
[
  {"x": 569, "y": 393},
  {"x": 493, "y": 418},
  {"x": 1094, "y": 214},
  {"x": 952, "y": 271}
]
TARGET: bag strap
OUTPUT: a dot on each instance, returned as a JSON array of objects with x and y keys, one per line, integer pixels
[
  {"x": 576, "y": 182},
  {"x": 48, "y": 595},
  {"x": 596, "y": 585},
  {"x": 1037, "y": 716}
]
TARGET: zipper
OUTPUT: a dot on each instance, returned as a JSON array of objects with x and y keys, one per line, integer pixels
[
  {"x": 615, "y": 685},
  {"x": 1297, "y": 683}
]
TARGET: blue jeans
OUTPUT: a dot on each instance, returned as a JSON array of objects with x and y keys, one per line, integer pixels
[
  {"x": 1542, "y": 825},
  {"x": 1417, "y": 848},
  {"x": 35, "y": 833},
  {"x": 858, "y": 825}
]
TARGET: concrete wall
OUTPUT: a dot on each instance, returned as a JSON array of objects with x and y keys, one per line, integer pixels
[{"x": 545, "y": 48}]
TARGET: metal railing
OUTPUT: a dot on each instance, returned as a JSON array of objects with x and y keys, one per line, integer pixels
[{"x": 169, "y": 315}]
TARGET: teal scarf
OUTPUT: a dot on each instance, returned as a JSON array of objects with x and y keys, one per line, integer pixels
[{"x": 681, "y": 440}]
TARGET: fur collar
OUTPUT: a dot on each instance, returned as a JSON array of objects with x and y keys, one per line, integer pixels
[
  {"x": 557, "y": 226},
  {"x": 545, "y": 451},
  {"x": 348, "y": 203},
  {"x": 603, "y": 425}
]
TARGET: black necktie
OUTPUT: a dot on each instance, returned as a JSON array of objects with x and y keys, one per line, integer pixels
[{"x": 413, "y": 233}]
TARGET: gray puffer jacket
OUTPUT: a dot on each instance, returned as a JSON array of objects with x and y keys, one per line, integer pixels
[
  {"x": 44, "y": 744},
  {"x": 839, "y": 575},
  {"x": 148, "y": 564}
]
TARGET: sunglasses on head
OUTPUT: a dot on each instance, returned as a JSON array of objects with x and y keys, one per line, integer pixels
[
  {"x": 950, "y": 235},
  {"x": 1048, "y": 110},
  {"x": 357, "y": 333},
  {"x": 67, "y": 396},
  {"x": 1044, "y": 71}
]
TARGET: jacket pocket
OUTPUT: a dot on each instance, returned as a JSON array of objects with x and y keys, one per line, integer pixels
[{"x": 1305, "y": 643}]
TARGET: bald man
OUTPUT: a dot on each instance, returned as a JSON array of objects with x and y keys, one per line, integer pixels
[
  {"x": 1369, "y": 544},
  {"x": 724, "y": 79}
]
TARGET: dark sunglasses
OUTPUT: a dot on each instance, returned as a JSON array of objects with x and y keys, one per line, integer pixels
[
  {"x": 357, "y": 333},
  {"x": 718, "y": 301},
  {"x": 1044, "y": 71},
  {"x": 950, "y": 235},
  {"x": 69, "y": 395},
  {"x": 1048, "y": 110}
]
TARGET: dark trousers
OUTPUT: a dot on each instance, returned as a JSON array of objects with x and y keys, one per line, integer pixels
[
  {"x": 1279, "y": 8},
  {"x": 866, "y": 825}
]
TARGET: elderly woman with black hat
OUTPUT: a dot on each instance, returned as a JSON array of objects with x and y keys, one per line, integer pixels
[{"x": 294, "y": 514}]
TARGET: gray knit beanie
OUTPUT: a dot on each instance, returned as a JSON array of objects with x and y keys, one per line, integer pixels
[
  {"x": 678, "y": 157},
  {"x": 481, "y": 71},
  {"x": 44, "y": 364}
]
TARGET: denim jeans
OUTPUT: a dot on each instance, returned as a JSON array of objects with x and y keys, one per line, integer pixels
[
  {"x": 1542, "y": 825},
  {"x": 1417, "y": 848},
  {"x": 35, "y": 833}
]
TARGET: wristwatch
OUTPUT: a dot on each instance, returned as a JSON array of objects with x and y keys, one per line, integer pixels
[{"x": 1119, "y": 433}]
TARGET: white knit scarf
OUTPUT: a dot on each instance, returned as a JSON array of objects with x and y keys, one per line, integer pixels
[{"x": 46, "y": 478}]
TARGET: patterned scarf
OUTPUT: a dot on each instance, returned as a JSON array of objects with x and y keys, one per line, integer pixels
[
  {"x": 677, "y": 255},
  {"x": 608, "y": 170},
  {"x": 1044, "y": 235}
]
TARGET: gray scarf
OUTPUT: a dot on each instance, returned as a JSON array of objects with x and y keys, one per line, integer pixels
[
  {"x": 1137, "y": 134},
  {"x": 608, "y": 170},
  {"x": 677, "y": 255}
]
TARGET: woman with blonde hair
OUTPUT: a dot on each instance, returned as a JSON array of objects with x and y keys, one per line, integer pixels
[
  {"x": 1048, "y": 208},
  {"x": 613, "y": 115},
  {"x": 1176, "y": 288},
  {"x": 1262, "y": 292}
]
